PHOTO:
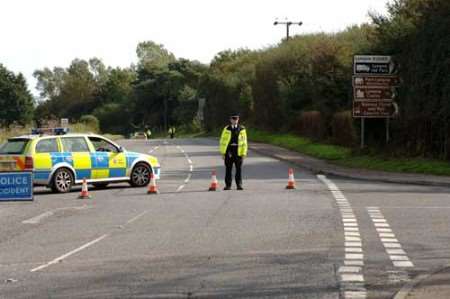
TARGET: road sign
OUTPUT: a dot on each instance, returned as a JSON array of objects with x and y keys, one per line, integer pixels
[
  {"x": 374, "y": 65},
  {"x": 64, "y": 122},
  {"x": 16, "y": 186},
  {"x": 373, "y": 93},
  {"x": 386, "y": 81},
  {"x": 373, "y": 109}
]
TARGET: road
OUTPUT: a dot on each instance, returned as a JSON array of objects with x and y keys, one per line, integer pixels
[{"x": 329, "y": 238}]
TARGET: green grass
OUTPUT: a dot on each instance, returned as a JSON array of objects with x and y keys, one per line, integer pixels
[
  {"x": 346, "y": 157},
  {"x": 301, "y": 144}
]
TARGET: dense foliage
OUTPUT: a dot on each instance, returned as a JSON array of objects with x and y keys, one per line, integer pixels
[
  {"x": 418, "y": 33},
  {"x": 16, "y": 101},
  {"x": 301, "y": 86}
]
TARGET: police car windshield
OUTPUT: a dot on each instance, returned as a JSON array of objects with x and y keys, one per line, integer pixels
[{"x": 13, "y": 146}]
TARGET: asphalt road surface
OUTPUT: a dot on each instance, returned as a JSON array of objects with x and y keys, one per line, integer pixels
[{"x": 329, "y": 238}]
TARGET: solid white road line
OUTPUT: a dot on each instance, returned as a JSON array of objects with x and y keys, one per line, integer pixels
[{"x": 62, "y": 257}]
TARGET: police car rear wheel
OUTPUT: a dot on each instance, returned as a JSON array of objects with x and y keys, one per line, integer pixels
[
  {"x": 62, "y": 181},
  {"x": 140, "y": 176}
]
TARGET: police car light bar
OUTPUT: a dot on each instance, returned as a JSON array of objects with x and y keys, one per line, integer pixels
[{"x": 49, "y": 131}]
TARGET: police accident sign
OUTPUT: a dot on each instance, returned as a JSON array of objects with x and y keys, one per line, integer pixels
[{"x": 16, "y": 186}]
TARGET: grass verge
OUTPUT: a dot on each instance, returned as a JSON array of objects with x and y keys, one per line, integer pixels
[{"x": 346, "y": 157}]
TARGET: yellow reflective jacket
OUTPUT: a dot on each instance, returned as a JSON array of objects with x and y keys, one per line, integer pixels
[{"x": 242, "y": 141}]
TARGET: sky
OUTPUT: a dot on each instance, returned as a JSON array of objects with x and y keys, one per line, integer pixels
[{"x": 48, "y": 33}]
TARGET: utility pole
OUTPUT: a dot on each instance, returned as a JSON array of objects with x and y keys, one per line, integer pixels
[{"x": 288, "y": 24}]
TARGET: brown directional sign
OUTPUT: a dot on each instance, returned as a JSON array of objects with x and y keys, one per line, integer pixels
[
  {"x": 386, "y": 81},
  {"x": 373, "y": 93},
  {"x": 373, "y": 109}
]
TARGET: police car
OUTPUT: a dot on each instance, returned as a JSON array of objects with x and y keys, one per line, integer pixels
[{"x": 61, "y": 160}]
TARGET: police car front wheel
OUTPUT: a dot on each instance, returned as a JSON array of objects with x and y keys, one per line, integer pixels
[
  {"x": 140, "y": 176},
  {"x": 62, "y": 180}
]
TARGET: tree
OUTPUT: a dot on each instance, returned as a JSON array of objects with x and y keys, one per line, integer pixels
[
  {"x": 151, "y": 54},
  {"x": 15, "y": 99}
]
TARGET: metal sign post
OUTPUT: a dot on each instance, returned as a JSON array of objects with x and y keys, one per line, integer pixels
[
  {"x": 362, "y": 132},
  {"x": 387, "y": 131},
  {"x": 374, "y": 90}
]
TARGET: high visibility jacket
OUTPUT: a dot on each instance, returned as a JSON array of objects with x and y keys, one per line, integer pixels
[{"x": 242, "y": 141}]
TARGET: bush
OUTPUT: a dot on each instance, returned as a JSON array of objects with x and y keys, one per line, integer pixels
[
  {"x": 343, "y": 129},
  {"x": 91, "y": 122},
  {"x": 310, "y": 124}
]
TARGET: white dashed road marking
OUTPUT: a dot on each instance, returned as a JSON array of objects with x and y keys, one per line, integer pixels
[
  {"x": 352, "y": 279},
  {"x": 191, "y": 169},
  {"x": 82, "y": 247},
  {"x": 153, "y": 149},
  {"x": 39, "y": 218},
  {"x": 62, "y": 257},
  {"x": 393, "y": 247}
]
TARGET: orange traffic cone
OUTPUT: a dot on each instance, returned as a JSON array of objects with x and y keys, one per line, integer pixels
[
  {"x": 214, "y": 184},
  {"x": 84, "y": 190},
  {"x": 152, "y": 189},
  {"x": 291, "y": 180}
]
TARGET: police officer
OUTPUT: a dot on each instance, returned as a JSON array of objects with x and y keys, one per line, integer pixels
[{"x": 233, "y": 147}]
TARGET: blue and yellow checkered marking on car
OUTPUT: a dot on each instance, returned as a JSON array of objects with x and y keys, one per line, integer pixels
[
  {"x": 88, "y": 165},
  {"x": 41, "y": 175},
  {"x": 62, "y": 158}
]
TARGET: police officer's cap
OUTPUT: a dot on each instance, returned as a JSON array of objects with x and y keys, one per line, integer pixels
[{"x": 234, "y": 115}]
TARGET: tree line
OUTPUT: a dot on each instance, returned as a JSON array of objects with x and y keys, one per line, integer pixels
[{"x": 301, "y": 85}]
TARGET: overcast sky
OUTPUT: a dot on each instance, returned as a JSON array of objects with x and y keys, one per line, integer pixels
[{"x": 47, "y": 33}]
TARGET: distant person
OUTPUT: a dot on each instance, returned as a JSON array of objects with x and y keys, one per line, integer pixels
[
  {"x": 148, "y": 133},
  {"x": 233, "y": 148},
  {"x": 172, "y": 132}
]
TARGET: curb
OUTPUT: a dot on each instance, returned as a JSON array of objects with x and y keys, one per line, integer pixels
[
  {"x": 406, "y": 290},
  {"x": 358, "y": 176}
]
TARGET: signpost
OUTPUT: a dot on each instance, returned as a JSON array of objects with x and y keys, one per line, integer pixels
[
  {"x": 372, "y": 109},
  {"x": 16, "y": 186},
  {"x": 64, "y": 122},
  {"x": 374, "y": 89},
  {"x": 374, "y": 65}
]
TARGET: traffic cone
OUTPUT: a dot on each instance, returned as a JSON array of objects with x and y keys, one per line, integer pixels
[
  {"x": 84, "y": 190},
  {"x": 152, "y": 189},
  {"x": 291, "y": 180},
  {"x": 214, "y": 184}
]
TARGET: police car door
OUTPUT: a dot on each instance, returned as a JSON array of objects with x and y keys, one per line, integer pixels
[
  {"x": 46, "y": 154},
  {"x": 113, "y": 158},
  {"x": 77, "y": 148}
]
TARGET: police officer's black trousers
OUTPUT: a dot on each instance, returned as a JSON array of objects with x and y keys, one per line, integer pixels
[{"x": 231, "y": 159}]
